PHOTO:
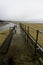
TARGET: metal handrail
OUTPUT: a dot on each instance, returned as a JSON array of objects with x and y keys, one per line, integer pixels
[{"x": 36, "y": 46}]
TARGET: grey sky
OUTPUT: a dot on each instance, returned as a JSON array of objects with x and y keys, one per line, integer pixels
[{"x": 27, "y": 10}]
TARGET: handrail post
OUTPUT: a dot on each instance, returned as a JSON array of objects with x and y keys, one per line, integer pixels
[
  {"x": 25, "y": 28},
  {"x": 27, "y": 33},
  {"x": 28, "y": 29},
  {"x": 36, "y": 42}
]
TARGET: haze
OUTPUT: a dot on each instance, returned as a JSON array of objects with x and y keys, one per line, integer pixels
[{"x": 21, "y": 10}]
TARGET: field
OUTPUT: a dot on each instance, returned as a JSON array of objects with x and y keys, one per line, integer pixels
[
  {"x": 3, "y": 36},
  {"x": 34, "y": 32}
]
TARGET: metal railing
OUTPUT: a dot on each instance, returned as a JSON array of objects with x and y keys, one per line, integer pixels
[
  {"x": 37, "y": 44},
  {"x": 31, "y": 31},
  {"x": 5, "y": 46}
]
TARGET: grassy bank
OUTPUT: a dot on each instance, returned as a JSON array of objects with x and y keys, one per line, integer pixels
[
  {"x": 33, "y": 32},
  {"x": 3, "y": 36}
]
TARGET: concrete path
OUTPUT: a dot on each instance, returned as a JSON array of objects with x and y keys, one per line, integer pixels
[{"x": 18, "y": 50}]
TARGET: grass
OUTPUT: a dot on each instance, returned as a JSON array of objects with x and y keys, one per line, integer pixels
[
  {"x": 3, "y": 36},
  {"x": 33, "y": 32}
]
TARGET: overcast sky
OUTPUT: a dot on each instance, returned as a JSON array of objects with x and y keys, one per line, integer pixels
[{"x": 21, "y": 10}]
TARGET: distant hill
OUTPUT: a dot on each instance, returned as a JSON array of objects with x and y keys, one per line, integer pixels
[
  {"x": 1, "y": 21},
  {"x": 5, "y": 21}
]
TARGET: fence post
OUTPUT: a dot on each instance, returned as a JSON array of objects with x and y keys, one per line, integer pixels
[
  {"x": 27, "y": 33},
  {"x": 36, "y": 41},
  {"x": 25, "y": 28},
  {"x": 28, "y": 29}
]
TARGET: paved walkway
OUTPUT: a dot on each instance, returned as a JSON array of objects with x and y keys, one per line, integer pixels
[{"x": 18, "y": 50}]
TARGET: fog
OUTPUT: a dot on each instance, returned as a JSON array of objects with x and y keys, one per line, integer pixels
[{"x": 22, "y": 10}]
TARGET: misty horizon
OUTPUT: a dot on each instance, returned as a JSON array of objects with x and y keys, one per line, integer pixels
[{"x": 22, "y": 10}]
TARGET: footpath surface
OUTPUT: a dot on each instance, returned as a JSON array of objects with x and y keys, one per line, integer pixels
[{"x": 18, "y": 52}]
